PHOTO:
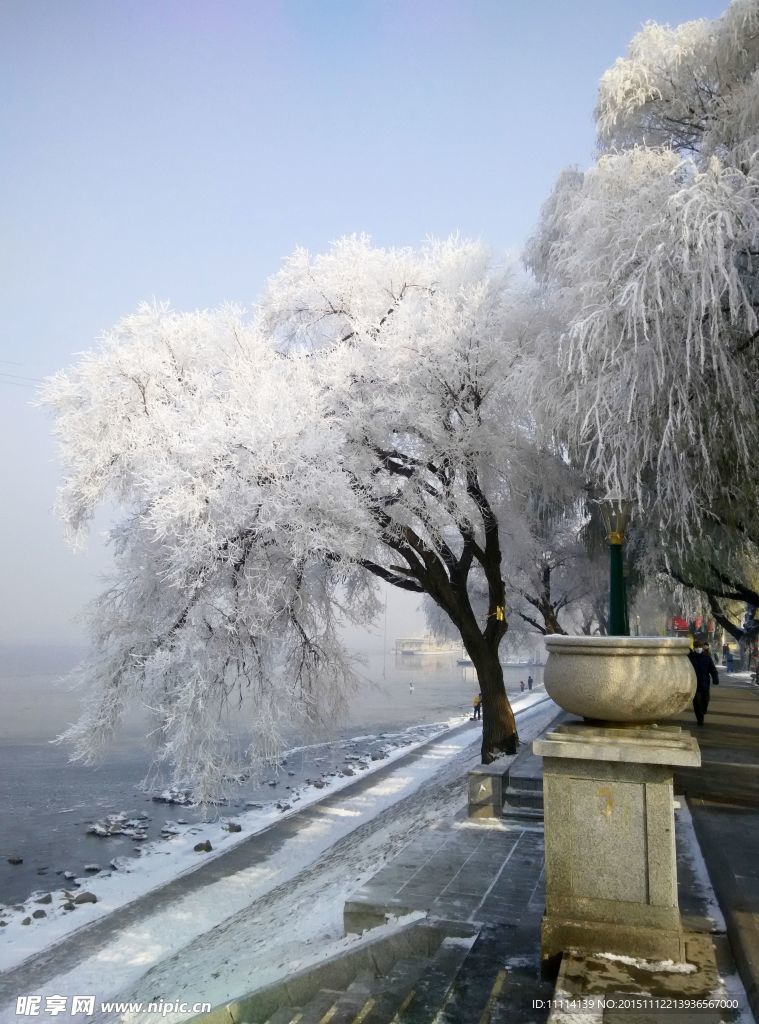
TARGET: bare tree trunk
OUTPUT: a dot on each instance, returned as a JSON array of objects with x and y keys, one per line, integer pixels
[
  {"x": 499, "y": 728},
  {"x": 602, "y": 619},
  {"x": 434, "y": 569},
  {"x": 551, "y": 620},
  {"x": 722, "y": 619}
]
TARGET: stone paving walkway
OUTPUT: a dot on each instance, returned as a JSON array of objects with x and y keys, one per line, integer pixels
[
  {"x": 486, "y": 873},
  {"x": 491, "y": 872},
  {"x": 723, "y": 796},
  {"x": 474, "y": 871}
]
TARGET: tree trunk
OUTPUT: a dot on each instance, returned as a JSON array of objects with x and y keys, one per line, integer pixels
[
  {"x": 551, "y": 620},
  {"x": 499, "y": 728},
  {"x": 722, "y": 619}
]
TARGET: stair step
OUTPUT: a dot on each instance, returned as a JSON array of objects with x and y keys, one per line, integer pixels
[
  {"x": 403, "y": 1004},
  {"x": 523, "y": 797},
  {"x": 403, "y": 971},
  {"x": 319, "y": 1009},
  {"x": 522, "y": 812},
  {"x": 362, "y": 983},
  {"x": 434, "y": 985},
  {"x": 368, "y": 999},
  {"x": 526, "y": 783},
  {"x": 513, "y": 1001},
  {"x": 499, "y": 980},
  {"x": 349, "y": 1008},
  {"x": 396, "y": 990},
  {"x": 286, "y": 1015},
  {"x": 475, "y": 979}
]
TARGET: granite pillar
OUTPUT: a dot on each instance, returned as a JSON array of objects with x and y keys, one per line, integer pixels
[{"x": 611, "y": 875}]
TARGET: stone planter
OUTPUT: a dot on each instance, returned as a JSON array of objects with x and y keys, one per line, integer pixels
[{"x": 619, "y": 678}]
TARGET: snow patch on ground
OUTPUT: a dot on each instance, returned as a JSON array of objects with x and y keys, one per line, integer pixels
[
  {"x": 459, "y": 941},
  {"x": 255, "y": 925},
  {"x": 658, "y": 966},
  {"x": 164, "y": 860}
]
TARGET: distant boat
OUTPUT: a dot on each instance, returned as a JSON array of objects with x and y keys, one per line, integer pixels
[
  {"x": 464, "y": 659},
  {"x": 410, "y": 646}
]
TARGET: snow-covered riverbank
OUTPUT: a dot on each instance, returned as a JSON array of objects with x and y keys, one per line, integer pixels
[
  {"x": 264, "y": 909},
  {"x": 85, "y": 898},
  {"x": 51, "y": 806}
]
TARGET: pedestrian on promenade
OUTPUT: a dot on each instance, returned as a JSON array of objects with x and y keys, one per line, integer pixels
[
  {"x": 529, "y": 682},
  {"x": 521, "y": 685},
  {"x": 476, "y": 706},
  {"x": 706, "y": 674}
]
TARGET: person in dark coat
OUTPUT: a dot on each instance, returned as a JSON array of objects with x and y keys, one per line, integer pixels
[{"x": 706, "y": 674}]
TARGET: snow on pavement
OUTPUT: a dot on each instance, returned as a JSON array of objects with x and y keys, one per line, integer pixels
[{"x": 258, "y": 923}]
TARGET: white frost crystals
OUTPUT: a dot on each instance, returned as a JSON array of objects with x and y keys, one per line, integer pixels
[
  {"x": 262, "y": 463},
  {"x": 649, "y": 263}
]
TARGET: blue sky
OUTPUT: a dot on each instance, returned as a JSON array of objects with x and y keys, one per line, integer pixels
[{"x": 178, "y": 150}]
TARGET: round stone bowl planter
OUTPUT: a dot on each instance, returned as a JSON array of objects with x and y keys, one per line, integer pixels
[{"x": 619, "y": 678}]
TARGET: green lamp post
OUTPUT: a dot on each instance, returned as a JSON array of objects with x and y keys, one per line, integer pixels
[{"x": 616, "y": 517}]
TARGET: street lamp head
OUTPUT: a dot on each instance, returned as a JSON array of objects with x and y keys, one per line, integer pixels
[{"x": 615, "y": 513}]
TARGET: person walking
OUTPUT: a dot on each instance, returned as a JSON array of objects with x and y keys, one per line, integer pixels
[
  {"x": 529, "y": 682},
  {"x": 706, "y": 674},
  {"x": 521, "y": 685},
  {"x": 476, "y": 706}
]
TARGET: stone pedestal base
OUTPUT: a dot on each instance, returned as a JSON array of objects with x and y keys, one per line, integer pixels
[
  {"x": 611, "y": 877},
  {"x": 487, "y": 787}
]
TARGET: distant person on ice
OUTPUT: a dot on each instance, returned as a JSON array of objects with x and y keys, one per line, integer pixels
[
  {"x": 476, "y": 706},
  {"x": 521, "y": 685},
  {"x": 529, "y": 682},
  {"x": 706, "y": 674},
  {"x": 410, "y": 687}
]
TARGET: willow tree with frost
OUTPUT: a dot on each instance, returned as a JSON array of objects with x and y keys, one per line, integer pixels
[
  {"x": 648, "y": 368},
  {"x": 270, "y": 468}
]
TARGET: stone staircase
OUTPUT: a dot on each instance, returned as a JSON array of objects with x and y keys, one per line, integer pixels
[
  {"x": 404, "y": 978},
  {"x": 474, "y": 956},
  {"x": 431, "y": 971},
  {"x": 523, "y": 790}
]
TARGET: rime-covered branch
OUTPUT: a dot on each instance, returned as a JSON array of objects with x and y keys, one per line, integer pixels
[{"x": 270, "y": 468}]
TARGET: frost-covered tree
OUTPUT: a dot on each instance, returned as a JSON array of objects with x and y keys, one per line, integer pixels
[
  {"x": 542, "y": 517},
  {"x": 554, "y": 583},
  {"x": 544, "y": 554},
  {"x": 649, "y": 266},
  {"x": 359, "y": 425}
]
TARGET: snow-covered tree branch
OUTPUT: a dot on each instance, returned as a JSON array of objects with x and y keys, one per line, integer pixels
[
  {"x": 357, "y": 425},
  {"x": 647, "y": 368}
]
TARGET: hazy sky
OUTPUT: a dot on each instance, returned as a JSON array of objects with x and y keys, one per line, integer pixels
[{"x": 178, "y": 149}]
